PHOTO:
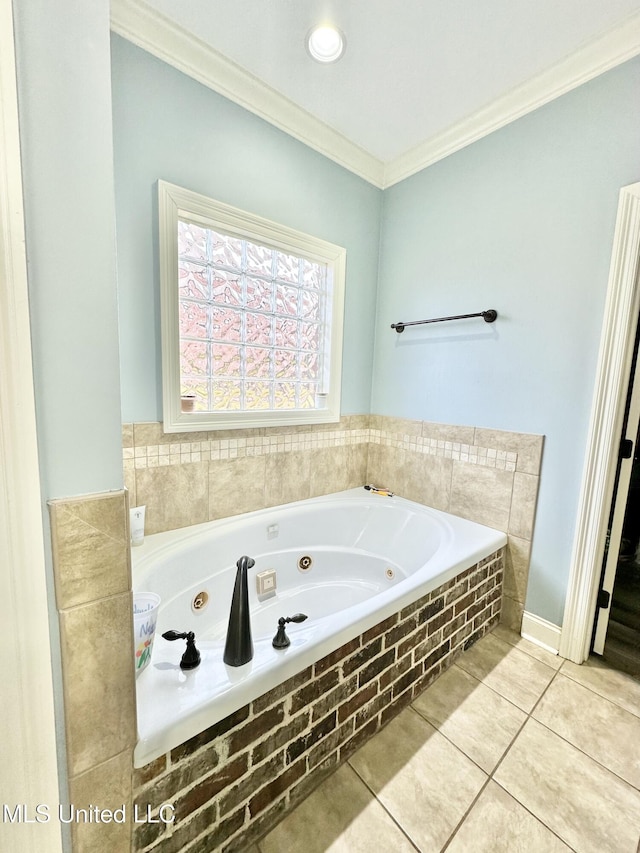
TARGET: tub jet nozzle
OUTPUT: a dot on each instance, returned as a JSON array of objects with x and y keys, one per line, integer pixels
[{"x": 281, "y": 641}]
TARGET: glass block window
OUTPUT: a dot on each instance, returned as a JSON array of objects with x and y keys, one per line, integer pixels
[{"x": 252, "y": 318}]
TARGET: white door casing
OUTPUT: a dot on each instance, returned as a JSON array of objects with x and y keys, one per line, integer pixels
[
  {"x": 617, "y": 520},
  {"x": 612, "y": 382},
  {"x": 28, "y": 745}
]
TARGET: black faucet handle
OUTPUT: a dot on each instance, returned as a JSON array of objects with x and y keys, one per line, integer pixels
[
  {"x": 191, "y": 657},
  {"x": 281, "y": 641},
  {"x": 245, "y": 563},
  {"x": 176, "y": 635}
]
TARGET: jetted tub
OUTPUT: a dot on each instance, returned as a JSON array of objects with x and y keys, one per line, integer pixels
[{"x": 370, "y": 556}]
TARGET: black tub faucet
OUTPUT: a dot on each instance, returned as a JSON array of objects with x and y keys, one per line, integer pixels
[{"x": 238, "y": 648}]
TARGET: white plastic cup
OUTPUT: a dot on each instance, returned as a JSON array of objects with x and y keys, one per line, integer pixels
[{"x": 145, "y": 614}]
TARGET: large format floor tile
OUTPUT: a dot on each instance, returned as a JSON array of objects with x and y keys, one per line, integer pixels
[
  {"x": 616, "y": 686},
  {"x": 499, "y": 824},
  {"x": 513, "y": 674},
  {"x": 472, "y": 716},
  {"x": 341, "y": 816},
  {"x": 589, "y": 807},
  {"x": 526, "y": 646},
  {"x": 424, "y": 782},
  {"x": 595, "y": 725}
]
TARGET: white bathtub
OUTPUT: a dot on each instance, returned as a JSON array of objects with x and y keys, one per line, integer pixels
[{"x": 371, "y": 556}]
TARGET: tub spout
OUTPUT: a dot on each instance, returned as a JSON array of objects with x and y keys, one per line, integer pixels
[{"x": 238, "y": 648}]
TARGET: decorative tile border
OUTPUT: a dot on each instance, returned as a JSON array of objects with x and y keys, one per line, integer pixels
[
  {"x": 182, "y": 453},
  {"x": 186, "y": 452},
  {"x": 490, "y": 457}
]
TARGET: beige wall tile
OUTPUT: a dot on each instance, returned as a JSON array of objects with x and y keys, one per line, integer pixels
[
  {"x": 523, "y": 505},
  {"x": 236, "y": 485},
  {"x": 357, "y": 456},
  {"x": 516, "y": 571},
  {"x": 174, "y": 495},
  {"x": 448, "y": 432},
  {"x": 219, "y": 434},
  {"x": 127, "y": 435},
  {"x": 386, "y": 467},
  {"x": 527, "y": 446},
  {"x": 130, "y": 485},
  {"x": 149, "y": 433},
  {"x": 98, "y": 681},
  {"x": 107, "y": 786},
  {"x": 402, "y": 426},
  {"x": 333, "y": 469},
  {"x": 511, "y": 613},
  {"x": 358, "y": 421},
  {"x": 481, "y": 494},
  {"x": 282, "y": 430},
  {"x": 152, "y": 433},
  {"x": 90, "y": 548},
  {"x": 427, "y": 479},
  {"x": 287, "y": 477}
]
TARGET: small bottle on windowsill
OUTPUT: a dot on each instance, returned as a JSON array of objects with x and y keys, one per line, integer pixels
[{"x": 187, "y": 402}]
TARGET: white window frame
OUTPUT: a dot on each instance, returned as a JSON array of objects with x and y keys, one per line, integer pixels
[{"x": 175, "y": 203}]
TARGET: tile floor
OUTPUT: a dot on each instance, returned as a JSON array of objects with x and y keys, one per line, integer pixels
[{"x": 512, "y": 750}]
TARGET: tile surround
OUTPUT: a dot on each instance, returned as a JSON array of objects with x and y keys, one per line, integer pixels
[
  {"x": 92, "y": 573},
  {"x": 218, "y": 474},
  {"x": 486, "y": 475}
]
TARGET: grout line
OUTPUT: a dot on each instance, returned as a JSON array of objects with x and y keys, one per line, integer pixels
[
  {"x": 490, "y": 777},
  {"x": 382, "y": 805},
  {"x": 466, "y": 814},
  {"x": 597, "y": 692}
]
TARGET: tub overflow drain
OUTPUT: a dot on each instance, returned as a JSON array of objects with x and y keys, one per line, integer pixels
[
  {"x": 305, "y": 563},
  {"x": 200, "y": 601}
]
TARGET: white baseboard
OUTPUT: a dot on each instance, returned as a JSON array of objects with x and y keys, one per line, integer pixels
[{"x": 539, "y": 631}]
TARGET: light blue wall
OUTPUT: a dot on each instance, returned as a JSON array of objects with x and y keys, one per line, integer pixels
[
  {"x": 168, "y": 126},
  {"x": 64, "y": 91},
  {"x": 522, "y": 221},
  {"x": 64, "y": 94}
]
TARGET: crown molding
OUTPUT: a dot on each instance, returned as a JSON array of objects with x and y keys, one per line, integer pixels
[
  {"x": 144, "y": 26},
  {"x": 139, "y": 23},
  {"x": 596, "y": 57}
]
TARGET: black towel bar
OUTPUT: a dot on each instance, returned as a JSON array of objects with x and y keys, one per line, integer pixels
[{"x": 488, "y": 316}]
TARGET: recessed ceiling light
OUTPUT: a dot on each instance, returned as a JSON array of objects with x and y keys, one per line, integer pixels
[{"x": 325, "y": 43}]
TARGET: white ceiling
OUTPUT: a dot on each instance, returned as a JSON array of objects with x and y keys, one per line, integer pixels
[{"x": 414, "y": 72}]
